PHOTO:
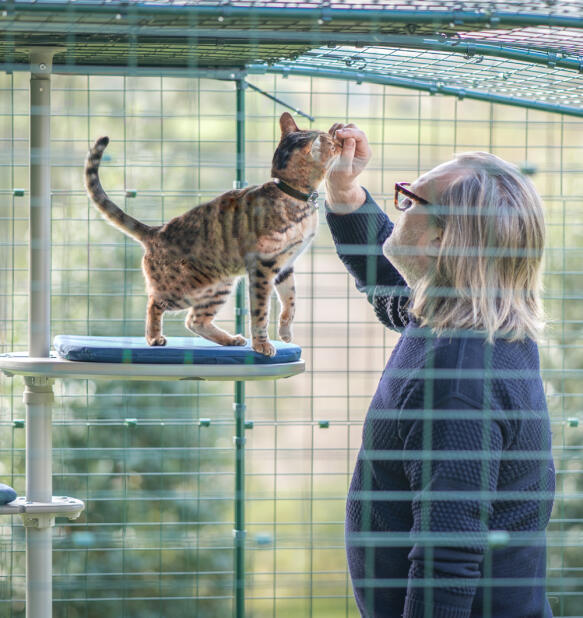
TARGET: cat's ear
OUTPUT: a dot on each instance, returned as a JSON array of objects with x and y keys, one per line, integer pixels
[{"x": 287, "y": 124}]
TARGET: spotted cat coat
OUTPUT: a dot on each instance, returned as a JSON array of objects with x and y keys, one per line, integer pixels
[{"x": 192, "y": 261}]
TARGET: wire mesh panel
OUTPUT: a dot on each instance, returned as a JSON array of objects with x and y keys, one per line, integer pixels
[
  {"x": 105, "y": 432},
  {"x": 154, "y": 463}
]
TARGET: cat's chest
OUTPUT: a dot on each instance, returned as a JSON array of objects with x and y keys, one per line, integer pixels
[
  {"x": 292, "y": 237},
  {"x": 305, "y": 228}
]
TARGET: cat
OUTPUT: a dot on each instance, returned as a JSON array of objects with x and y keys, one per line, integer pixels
[{"x": 192, "y": 261}]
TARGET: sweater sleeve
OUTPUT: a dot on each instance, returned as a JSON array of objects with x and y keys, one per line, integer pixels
[
  {"x": 446, "y": 503},
  {"x": 359, "y": 237}
]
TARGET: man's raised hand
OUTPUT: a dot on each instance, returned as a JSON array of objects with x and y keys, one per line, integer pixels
[{"x": 344, "y": 193}]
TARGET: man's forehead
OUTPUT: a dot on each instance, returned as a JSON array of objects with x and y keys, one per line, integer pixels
[{"x": 434, "y": 182}]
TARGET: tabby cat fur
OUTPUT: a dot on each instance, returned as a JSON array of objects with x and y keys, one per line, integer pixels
[{"x": 192, "y": 261}]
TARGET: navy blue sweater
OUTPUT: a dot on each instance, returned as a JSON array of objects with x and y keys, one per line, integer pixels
[{"x": 454, "y": 481}]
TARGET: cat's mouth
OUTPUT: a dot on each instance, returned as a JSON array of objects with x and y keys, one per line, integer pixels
[
  {"x": 336, "y": 152},
  {"x": 336, "y": 149},
  {"x": 326, "y": 150}
]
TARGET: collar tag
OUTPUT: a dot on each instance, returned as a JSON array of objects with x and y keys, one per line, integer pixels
[{"x": 313, "y": 198}]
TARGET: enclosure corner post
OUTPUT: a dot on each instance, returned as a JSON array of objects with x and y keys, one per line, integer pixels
[
  {"x": 239, "y": 532},
  {"x": 239, "y": 405},
  {"x": 241, "y": 85}
]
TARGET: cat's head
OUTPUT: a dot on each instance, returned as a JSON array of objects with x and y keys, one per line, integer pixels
[{"x": 302, "y": 157}]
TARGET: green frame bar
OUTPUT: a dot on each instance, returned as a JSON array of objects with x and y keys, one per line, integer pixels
[
  {"x": 411, "y": 84},
  {"x": 239, "y": 532},
  {"x": 297, "y": 69},
  {"x": 315, "y": 14}
]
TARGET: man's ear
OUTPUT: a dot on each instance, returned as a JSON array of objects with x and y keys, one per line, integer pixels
[
  {"x": 436, "y": 240},
  {"x": 287, "y": 124}
]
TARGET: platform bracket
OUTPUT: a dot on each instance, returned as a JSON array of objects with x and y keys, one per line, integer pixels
[{"x": 42, "y": 514}]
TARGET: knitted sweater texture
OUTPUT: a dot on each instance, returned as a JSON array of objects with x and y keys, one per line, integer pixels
[{"x": 454, "y": 482}]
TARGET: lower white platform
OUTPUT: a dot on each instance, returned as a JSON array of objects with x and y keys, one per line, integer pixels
[
  {"x": 55, "y": 367},
  {"x": 34, "y": 512}
]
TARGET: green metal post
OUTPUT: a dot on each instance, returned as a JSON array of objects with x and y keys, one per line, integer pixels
[{"x": 239, "y": 406}]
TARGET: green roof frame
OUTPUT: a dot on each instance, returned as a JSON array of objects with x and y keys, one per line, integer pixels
[{"x": 226, "y": 40}]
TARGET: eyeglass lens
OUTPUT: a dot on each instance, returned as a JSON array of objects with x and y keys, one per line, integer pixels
[{"x": 403, "y": 201}]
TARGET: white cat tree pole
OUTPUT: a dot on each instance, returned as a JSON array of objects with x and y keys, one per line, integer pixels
[
  {"x": 39, "y": 508},
  {"x": 38, "y": 392}
]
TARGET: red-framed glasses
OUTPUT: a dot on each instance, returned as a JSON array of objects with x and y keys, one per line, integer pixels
[{"x": 404, "y": 198}]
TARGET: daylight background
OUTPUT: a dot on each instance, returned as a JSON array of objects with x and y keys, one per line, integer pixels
[{"x": 154, "y": 462}]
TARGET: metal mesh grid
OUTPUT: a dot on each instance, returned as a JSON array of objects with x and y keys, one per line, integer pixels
[
  {"x": 154, "y": 462},
  {"x": 475, "y": 75},
  {"x": 217, "y": 34},
  {"x": 558, "y": 40},
  {"x": 528, "y": 65}
]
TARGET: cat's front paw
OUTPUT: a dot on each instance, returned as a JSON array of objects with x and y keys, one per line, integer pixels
[
  {"x": 153, "y": 341},
  {"x": 264, "y": 347}
]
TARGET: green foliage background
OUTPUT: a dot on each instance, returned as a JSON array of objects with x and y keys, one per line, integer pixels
[{"x": 155, "y": 539}]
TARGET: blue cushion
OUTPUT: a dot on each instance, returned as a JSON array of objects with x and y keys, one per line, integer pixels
[
  {"x": 178, "y": 350},
  {"x": 7, "y": 494}
]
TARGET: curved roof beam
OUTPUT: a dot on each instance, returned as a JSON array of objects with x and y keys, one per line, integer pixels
[{"x": 324, "y": 13}]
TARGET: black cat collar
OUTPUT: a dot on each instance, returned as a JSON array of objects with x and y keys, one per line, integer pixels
[{"x": 311, "y": 198}]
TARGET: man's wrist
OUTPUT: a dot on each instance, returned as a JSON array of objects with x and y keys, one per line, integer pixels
[{"x": 345, "y": 201}]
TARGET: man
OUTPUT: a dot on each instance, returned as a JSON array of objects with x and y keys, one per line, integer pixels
[{"x": 454, "y": 482}]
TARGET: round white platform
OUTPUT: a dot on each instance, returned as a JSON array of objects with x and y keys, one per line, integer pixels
[{"x": 54, "y": 367}]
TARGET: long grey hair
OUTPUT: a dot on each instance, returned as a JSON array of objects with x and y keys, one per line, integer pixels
[{"x": 487, "y": 275}]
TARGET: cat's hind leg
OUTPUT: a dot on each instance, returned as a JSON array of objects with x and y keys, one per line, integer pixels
[
  {"x": 286, "y": 291},
  {"x": 154, "y": 314},
  {"x": 200, "y": 316}
]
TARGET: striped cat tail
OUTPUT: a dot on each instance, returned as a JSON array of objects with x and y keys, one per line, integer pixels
[{"x": 115, "y": 215}]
